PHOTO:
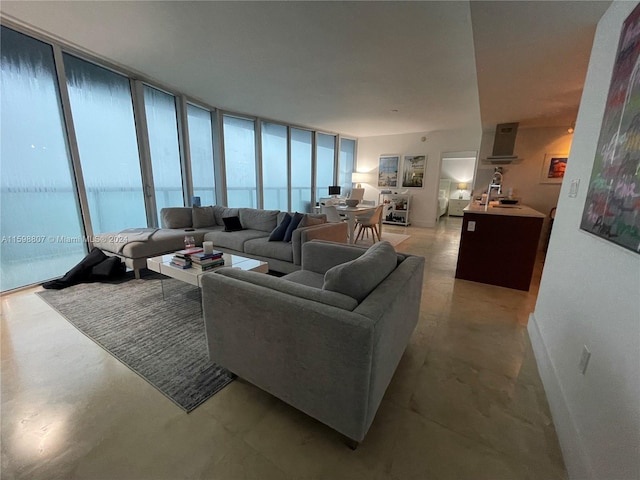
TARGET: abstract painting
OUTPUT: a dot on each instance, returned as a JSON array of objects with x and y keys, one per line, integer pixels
[
  {"x": 553, "y": 168},
  {"x": 612, "y": 207}
]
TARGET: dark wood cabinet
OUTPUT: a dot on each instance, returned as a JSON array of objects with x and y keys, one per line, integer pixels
[{"x": 499, "y": 248}]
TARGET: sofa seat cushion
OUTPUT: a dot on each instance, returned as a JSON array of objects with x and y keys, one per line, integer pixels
[
  {"x": 359, "y": 277},
  {"x": 233, "y": 240},
  {"x": 297, "y": 290},
  {"x": 255, "y": 219},
  {"x": 263, "y": 247},
  {"x": 306, "y": 277},
  {"x": 160, "y": 242}
]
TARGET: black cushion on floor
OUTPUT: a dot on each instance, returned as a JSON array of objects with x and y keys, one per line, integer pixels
[{"x": 83, "y": 271}]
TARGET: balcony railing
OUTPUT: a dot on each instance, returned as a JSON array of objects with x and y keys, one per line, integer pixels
[{"x": 55, "y": 242}]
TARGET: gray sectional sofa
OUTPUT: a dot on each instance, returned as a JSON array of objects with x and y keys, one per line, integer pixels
[
  {"x": 325, "y": 339},
  {"x": 134, "y": 246}
]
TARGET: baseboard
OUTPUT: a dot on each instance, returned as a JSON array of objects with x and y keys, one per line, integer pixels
[{"x": 575, "y": 458}]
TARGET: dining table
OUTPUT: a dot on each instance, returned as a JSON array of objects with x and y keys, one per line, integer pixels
[{"x": 351, "y": 213}]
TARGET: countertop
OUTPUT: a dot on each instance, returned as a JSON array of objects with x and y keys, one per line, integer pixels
[{"x": 507, "y": 210}]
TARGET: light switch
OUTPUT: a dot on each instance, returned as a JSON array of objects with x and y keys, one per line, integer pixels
[
  {"x": 573, "y": 189},
  {"x": 471, "y": 226}
]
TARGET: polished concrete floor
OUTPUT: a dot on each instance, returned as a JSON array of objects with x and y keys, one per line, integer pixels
[{"x": 466, "y": 401}]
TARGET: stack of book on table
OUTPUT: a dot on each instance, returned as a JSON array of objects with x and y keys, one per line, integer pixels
[
  {"x": 182, "y": 258},
  {"x": 207, "y": 261}
]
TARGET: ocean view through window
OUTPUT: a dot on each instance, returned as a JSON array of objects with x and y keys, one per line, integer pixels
[{"x": 38, "y": 203}]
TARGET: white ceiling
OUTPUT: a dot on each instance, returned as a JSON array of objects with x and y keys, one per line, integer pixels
[{"x": 346, "y": 66}]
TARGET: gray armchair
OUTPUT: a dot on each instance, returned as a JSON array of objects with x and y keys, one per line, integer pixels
[{"x": 326, "y": 339}]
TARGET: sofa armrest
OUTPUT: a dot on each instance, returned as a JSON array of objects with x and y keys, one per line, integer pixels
[
  {"x": 333, "y": 232},
  {"x": 312, "y": 356},
  {"x": 394, "y": 309},
  {"x": 319, "y": 256}
]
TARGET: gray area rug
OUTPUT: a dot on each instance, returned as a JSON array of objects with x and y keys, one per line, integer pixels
[{"x": 163, "y": 341}]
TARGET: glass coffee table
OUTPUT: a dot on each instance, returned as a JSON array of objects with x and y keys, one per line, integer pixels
[{"x": 192, "y": 276}]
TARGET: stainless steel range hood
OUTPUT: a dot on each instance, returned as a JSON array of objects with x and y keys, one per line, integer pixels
[{"x": 503, "y": 143}]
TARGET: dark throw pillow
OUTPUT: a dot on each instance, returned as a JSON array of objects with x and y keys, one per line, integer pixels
[
  {"x": 295, "y": 221},
  {"x": 278, "y": 233},
  {"x": 232, "y": 224}
]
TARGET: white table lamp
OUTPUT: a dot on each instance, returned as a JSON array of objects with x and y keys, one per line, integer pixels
[
  {"x": 461, "y": 187},
  {"x": 358, "y": 178}
]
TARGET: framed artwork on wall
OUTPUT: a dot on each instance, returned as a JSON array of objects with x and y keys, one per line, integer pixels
[
  {"x": 388, "y": 170},
  {"x": 413, "y": 170},
  {"x": 612, "y": 207},
  {"x": 553, "y": 168}
]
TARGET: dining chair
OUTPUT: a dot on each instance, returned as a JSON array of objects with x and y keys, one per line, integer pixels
[
  {"x": 370, "y": 222},
  {"x": 332, "y": 214}
]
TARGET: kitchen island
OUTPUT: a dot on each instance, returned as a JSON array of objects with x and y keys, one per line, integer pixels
[{"x": 499, "y": 245}]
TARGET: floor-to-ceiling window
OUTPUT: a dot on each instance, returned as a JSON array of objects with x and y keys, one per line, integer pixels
[
  {"x": 347, "y": 159},
  {"x": 274, "y": 167},
  {"x": 39, "y": 192},
  {"x": 106, "y": 133},
  {"x": 240, "y": 161},
  {"x": 201, "y": 152},
  {"x": 41, "y": 229},
  {"x": 325, "y": 163},
  {"x": 301, "y": 155},
  {"x": 162, "y": 126}
]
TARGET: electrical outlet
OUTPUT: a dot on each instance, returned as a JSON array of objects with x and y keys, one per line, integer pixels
[
  {"x": 584, "y": 360},
  {"x": 573, "y": 189},
  {"x": 471, "y": 226}
]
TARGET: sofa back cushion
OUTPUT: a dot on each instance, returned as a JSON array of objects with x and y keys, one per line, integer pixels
[
  {"x": 310, "y": 219},
  {"x": 219, "y": 212},
  {"x": 254, "y": 219},
  {"x": 291, "y": 288},
  {"x": 361, "y": 276},
  {"x": 202, "y": 217},
  {"x": 176, "y": 217}
]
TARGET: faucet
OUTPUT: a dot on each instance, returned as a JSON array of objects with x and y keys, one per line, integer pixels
[{"x": 495, "y": 182}]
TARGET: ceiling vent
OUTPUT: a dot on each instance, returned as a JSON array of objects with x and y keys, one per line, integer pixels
[{"x": 503, "y": 143}]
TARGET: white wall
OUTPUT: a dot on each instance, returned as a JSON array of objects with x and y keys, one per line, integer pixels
[
  {"x": 590, "y": 295},
  {"x": 423, "y": 200}
]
